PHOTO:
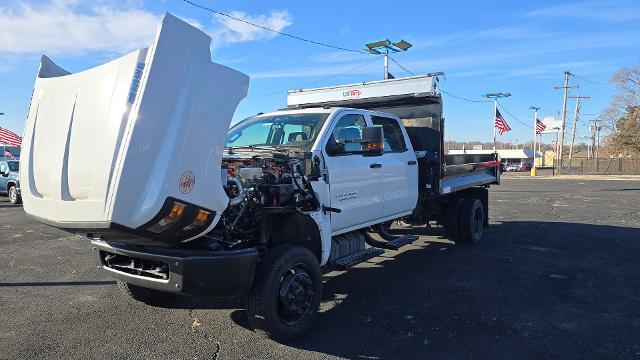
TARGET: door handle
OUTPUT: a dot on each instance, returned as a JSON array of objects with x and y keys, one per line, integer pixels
[
  {"x": 412, "y": 162},
  {"x": 375, "y": 165}
]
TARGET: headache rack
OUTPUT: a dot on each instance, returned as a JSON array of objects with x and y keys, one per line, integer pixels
[{"x": 416, "y": 100}]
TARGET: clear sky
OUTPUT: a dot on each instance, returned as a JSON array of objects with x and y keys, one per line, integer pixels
[{"x": 482, "y": 46}]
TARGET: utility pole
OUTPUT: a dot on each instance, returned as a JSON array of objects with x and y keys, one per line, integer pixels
[
  {"x": 595, "y": 137},
  {"x": 495, "y": 97},
  {"x": 575, "y": 122},
  {"x": 566, "y": 88},
  {"x": 598, "y": 143},
  {"x": 592, "y": 128}
]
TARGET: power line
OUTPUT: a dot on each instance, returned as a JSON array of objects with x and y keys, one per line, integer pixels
[
  {"x": 317, "y": 81},
  {"x": 202, "y": 7},
  {"x": 402, "y": 67},
  {"x": 462, "y": 98},
  {"x": 590, "y": 81},
  {"x": 513, "y": 116}
]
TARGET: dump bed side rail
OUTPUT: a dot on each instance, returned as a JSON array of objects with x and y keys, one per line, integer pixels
[{"x": 469, "y": 170}]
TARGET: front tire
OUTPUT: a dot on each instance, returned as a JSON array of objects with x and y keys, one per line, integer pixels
[
  {"x": 285, "y": 296},
  {"x": 471, "y": 221},
  {"x": 14, "y": 198}
]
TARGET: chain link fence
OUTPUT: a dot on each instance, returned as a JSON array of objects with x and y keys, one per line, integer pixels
[{"x": 615, "y": 166}]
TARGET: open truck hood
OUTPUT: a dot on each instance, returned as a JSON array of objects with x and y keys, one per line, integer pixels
[{"x": 112, "y": 147}]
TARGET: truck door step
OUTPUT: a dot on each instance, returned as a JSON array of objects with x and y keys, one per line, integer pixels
[
  {"x": 403, "y": 240},
  {"x": 354, "y": 259}
]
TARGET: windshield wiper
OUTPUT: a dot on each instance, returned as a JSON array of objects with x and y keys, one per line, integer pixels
[{"x": 231, "y": 149}]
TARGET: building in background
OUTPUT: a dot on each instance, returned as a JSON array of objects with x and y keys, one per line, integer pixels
[{"x": 512, "y": 156}]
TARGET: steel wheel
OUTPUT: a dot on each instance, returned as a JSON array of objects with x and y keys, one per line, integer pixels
[{"x": 295, "y": 295}]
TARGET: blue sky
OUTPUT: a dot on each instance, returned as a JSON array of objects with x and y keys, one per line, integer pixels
[{"x": 509, "y": 46}]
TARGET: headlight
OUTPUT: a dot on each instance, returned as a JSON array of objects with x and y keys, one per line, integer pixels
[
  {"x": 199, "y": 221},
  {"x": 176, "y": 213}
]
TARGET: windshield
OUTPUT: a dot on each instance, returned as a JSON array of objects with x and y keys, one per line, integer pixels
[
  {"x": 288, "y": 130},
  {"x": 13, "y": 165}
]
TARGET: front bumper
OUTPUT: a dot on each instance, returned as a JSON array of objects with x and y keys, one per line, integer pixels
[{"x": 189, "y": 272}]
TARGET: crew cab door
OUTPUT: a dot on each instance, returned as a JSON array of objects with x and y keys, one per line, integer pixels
[
  {"x": 355, "y": 181},
  {"x": 399, "y": 168}
]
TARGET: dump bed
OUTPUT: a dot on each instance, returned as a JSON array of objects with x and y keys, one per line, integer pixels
[{"x": 113, "y": 147}]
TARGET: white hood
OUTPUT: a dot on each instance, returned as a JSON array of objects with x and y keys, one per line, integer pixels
[{"x": 111, "y": 144}]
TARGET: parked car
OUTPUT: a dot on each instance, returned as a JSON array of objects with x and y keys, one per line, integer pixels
[
  {"x": 511, "y": 168},
  {"x": 10, "y": 180},
  {"x": 525, "y": 167}
]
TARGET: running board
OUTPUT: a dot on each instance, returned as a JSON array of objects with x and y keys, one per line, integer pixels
[
  {"x": 401, "y": 241},
  {"x": 354, "y": 259},
  {"x": 396, "y": 243}
]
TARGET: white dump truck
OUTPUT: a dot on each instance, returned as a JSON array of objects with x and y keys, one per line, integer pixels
[{"x": 136, "y": 155}]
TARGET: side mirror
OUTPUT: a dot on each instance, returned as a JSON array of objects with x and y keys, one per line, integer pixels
[
  {"x": 372, "y": 141},
  {"x": 335, "y": 148}
]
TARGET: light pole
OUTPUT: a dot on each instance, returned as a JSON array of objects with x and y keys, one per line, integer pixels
[
  {"x": 495, "y": 97},
  {"x": 383, "y": 47}
]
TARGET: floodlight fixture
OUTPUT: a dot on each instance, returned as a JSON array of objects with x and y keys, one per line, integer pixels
[{"x": 402, "y": 45}]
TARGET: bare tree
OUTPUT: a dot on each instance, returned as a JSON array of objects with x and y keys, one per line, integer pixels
[{"x": 624, "y": 112}]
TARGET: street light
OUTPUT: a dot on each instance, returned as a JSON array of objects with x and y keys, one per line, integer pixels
[{"x": 383, "y": 47}]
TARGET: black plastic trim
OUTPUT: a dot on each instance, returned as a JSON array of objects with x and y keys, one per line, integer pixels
[{"x": 191, "y": 272}]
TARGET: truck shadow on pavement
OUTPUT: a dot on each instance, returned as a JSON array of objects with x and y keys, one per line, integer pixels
[{"x": 537, "y": 289}]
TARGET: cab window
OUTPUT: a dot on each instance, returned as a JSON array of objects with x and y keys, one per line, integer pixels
[
  {"x": 349, "y": 127},
  {"x": 393, "y": 138}
]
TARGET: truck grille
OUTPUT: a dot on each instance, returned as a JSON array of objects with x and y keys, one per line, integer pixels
[{"x": 142, "y": 267}]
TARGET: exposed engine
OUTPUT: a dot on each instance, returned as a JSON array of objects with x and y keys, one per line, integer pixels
[{"x": 260, "y": 184}]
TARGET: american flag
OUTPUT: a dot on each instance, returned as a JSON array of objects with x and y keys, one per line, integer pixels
[
  {"x": 10, "y": 138},
  {"x": 540, "y": 126},
  {"x": 500, "y": 123}
]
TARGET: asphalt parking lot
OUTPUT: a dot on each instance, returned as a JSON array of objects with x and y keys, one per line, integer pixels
[{"x": 557, "y": 276}]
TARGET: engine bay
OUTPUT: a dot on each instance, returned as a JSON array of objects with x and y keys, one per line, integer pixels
[{"x": 260, "y": 184}]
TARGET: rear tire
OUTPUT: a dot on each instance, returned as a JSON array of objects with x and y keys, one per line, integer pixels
[
  {"x": 145, "y": 295},
  {"x": 471, "y": 221},
  {"x": 14, "y": 198},
  {"x": 285, "y": 295}
]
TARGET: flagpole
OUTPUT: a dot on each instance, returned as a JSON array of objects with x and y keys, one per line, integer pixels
[
  {"x": 535, "y": 117},
  {"x": 535, "y": 131},
  {"x": 495, "y": 97},
  {"x": 493, "y": 122}
]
